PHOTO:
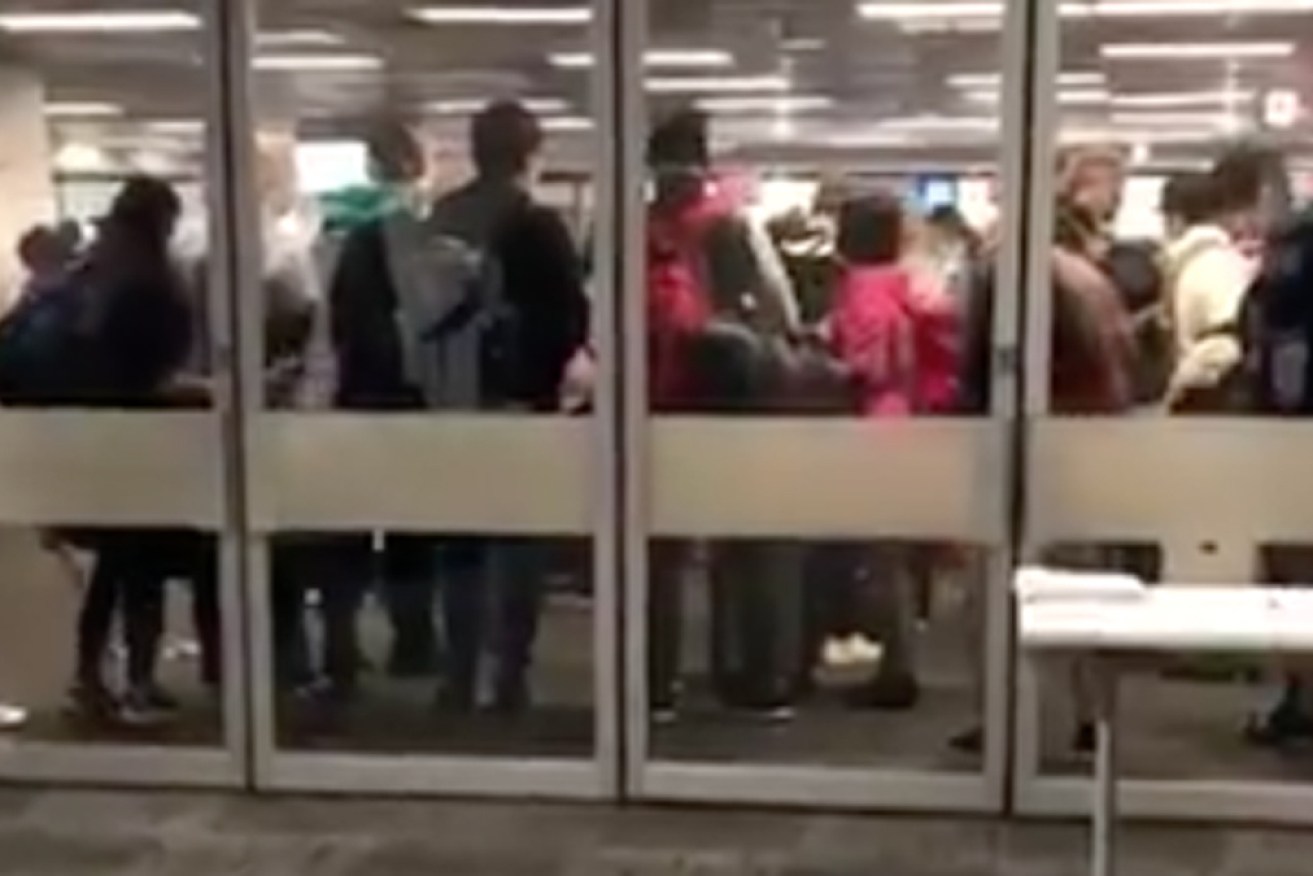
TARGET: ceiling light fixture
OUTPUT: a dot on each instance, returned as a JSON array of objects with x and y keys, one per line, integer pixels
[
  {"x": 959, "y": 12},
  {"x": 784, "y": 103},
  {"x": 714, "y": 84},
  {"x": 677, "y": 58},
  {"x": 1189, "y": 51},
  {"x": 121, "y": 21},
  {"x": 503, "y": 15},
  {"x": 1066, "y": 96},
  {"x": 929, "y": 11},
  {"x": 1066, "y": 79},
  {"x": 317, "y": 63},
  {"x": 1180, "y": 8},
  {"x": 82, "y": 109},
  {"x": 941, "y": 123},
  {"x": 188, "y": 127},
  {"x": 1220, "y": 121},
  {"x": 297, "y": 38},
  {"x": 1179, "y": 99},
  {"x": 567, "y": 124},
  {"x": 463, "y": 106}
]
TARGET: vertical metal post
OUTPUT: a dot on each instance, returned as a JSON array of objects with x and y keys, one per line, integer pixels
[
  {"x": 1104, "y": 839},
  {"x": 609, "y": 528},
  {"x": 237, "y": 223},
  {"x": 631, "y": 36}
]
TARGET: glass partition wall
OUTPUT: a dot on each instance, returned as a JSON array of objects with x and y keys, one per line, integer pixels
[
  {"x": 1164, "y": 414},
  {"x": 641, "y": 400},
  {"x": 119, "y": 655},
  {"x": 816, "y": 561},
  {"x": 430, "y": 580}
]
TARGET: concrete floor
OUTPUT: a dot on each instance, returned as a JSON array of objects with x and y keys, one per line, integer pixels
[{"x": 71, "y": 833}]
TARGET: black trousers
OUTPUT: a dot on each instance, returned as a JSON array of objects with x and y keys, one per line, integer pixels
[
  {"x": 339, "y": 569},
  {"x": 128, "y": 579}
]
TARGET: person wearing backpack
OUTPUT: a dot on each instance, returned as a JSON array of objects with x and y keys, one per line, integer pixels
[
  {"x": 118, "y": 334},
  {"x": 477, "y": 304},
  {"x": 719, "y": 304}
]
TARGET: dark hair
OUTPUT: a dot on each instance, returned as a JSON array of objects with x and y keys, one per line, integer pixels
[
  {"x": 1189, "y": 197},
  {"x": 871, "y": 229},
  {"x": 680, "y": 139},
  {"x": 394, "y": 151},
  {"x": 39, "y": 248},
  {"x": 503, "y": 138},
  {"x": 145, "y": 206},
  {"x": 1243, "y": 172}
]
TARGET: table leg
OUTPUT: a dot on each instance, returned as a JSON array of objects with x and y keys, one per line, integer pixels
[{"x": 1105, "y": 771}]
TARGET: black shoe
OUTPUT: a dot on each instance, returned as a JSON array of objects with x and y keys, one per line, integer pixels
[
  {"x": 409, "y": 663},
  {"x": 969, "y": 741},
  {"x": 512, "y": 698},
  {"x": 156, "y": 697},
  {"x": 895, "y": 694},
  {"x": 1282, "y": 726},
  {"x": 455, "y": 699},
  {"x": 761, "y": 705},
  {"x": 1085, "y": 738},
  {"x": 92, "y": 702}
]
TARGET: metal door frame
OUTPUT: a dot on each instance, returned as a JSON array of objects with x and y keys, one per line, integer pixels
[
  {"x": 991, "y": 438},
  {"x": 594, "y": 777},
  {"x": 1061, "y": 505},
  {"x": 40, "y": 447}
]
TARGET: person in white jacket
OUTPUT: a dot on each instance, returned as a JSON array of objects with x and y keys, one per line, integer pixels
[{"x": 1207, "y": 275}]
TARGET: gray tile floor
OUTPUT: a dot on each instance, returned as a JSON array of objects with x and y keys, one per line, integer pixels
[{"x": 132, "y": 834}]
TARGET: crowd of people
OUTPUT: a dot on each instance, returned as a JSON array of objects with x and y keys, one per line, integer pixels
[{"x": 476, "y": 300}]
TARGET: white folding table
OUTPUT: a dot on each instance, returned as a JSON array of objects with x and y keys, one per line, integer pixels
[{"x": 1166, "y": 619}]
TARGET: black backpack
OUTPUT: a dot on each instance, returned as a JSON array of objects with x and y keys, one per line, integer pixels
[
  {"x": 1276, "y": 324},
  {"x": 50, "y": 347}
]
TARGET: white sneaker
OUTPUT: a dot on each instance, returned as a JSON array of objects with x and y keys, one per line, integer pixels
[
  {"x": 12, "y": 717},
  {"x": 862, "y": 650},
  {"x": 835, "y": 654}
]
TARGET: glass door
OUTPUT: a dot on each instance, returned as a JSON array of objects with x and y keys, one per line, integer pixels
[
  {"x": 118, "y": 657},
  {"x": 818, "y": 417},
  {"x": 1165, "y": 419},
  {"x": 429, "y": 480}
]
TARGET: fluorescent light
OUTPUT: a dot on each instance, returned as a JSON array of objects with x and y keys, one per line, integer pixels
[
  {"x": 82, "y": 109},
  {"x": 1179, "y": 99},
  {"x": 1181, "y": 8},
  {"x": 176, "y": 126},
  {"x": 566, "y": 124},
  {"x": 803, "y": 44},
  {"x": 76, "y": 157},
  {"x": 948, "y": 11},
  {"x": 313, "y": 63},
  {"x": 1066, "y": 96},
  {"x": 1067, "y": 78},
  {"x": 750, "y": 103},
  {"x": 678, "y": 58},
  {"x": 1151, "y": 120},
  {"x": 468, "y": 106},
  {"x": 122, "y": 21},
  {"x": 713, "y": 84},
  {"x": 503, "y": 15},
  {"x": 1186, "y": 51},
  {"x": 929, "y": 11},
  {"x": 941, "y": 123},
  {"x": 297, "y": 38}
]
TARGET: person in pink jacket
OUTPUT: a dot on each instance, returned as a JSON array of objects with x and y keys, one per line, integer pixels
[
  {"x": 894, "y": 326},
  {"x": 897, "y": 331}
]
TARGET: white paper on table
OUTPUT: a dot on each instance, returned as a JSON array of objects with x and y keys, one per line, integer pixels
[{"x": 1038, "y": 584}]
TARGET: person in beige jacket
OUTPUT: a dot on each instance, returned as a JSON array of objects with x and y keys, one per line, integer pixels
[{"x": 1207, "y": 274}]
